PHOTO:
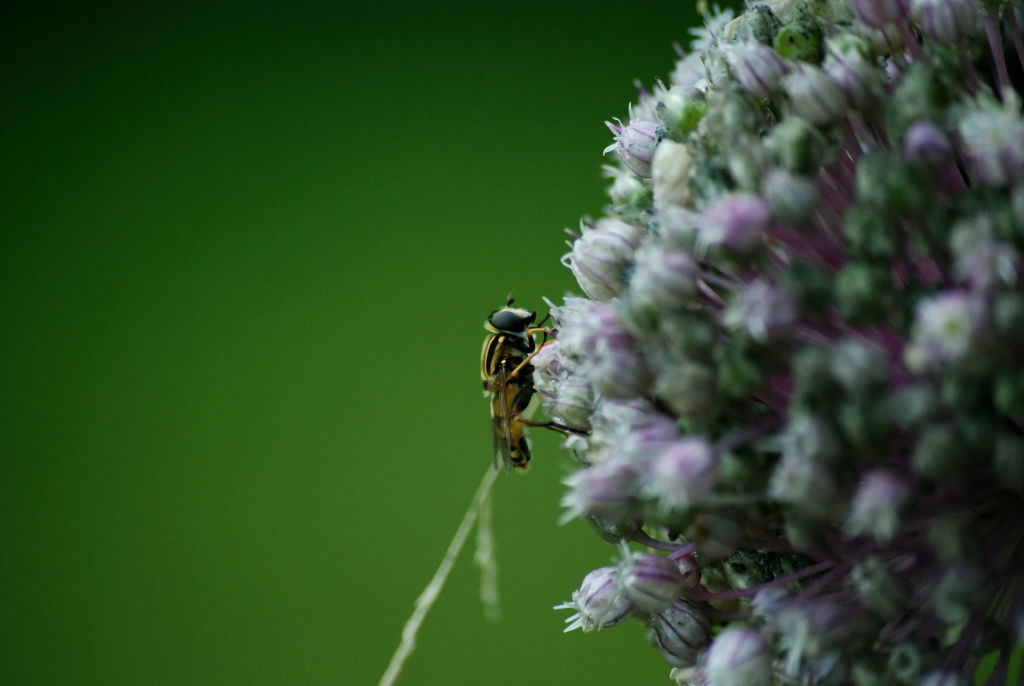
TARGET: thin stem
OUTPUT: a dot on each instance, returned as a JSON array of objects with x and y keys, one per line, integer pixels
[
  {"x": 995, "y": 43},
  {"x": 1018, "y": 43},
  {"x": 433, "y": 589},
  {"x": 643, "y": 538}
]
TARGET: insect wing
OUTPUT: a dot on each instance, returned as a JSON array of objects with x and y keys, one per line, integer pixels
[{"x": 501, "y": 420}]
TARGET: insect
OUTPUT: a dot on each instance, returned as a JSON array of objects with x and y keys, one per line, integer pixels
[{"x": 508, "y": 381}]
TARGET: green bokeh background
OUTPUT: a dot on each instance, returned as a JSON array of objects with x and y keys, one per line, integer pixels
[{"x": 246, "y": 255}]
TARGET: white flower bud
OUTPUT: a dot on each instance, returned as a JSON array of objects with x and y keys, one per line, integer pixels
[
  {"x": 739, "y": 657},
  {"x": 815, "y": 95},
  {"x": 598, "y": 603},
  {"x": 635, "y": 144},
  {"x": 671, "y": 174}
]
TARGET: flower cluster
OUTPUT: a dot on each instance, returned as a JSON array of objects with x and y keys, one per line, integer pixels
[{"x": 798, "y": 371}]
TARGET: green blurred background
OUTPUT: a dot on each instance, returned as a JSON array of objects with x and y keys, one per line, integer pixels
[{"x": 247, "y": 251}]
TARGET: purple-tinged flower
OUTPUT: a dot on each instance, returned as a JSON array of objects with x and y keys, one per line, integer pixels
[
  {"x": 671, "y": 174},
  {"x": 736, "y": 222},
  {"x": 635, "y": 145},
  {"x": 879, "y": 13},
  {"x": 928, "y": 143},
  {"x": 946, "y": 329},
  {"x": 639, "y": 432},
  {"x": 682, "y": 474},
  {"x": 652, "y": 582},
  {"x": 792, "y": 198},
  {"x": 987, "y": 265},
  {"x": 615, "y": 366},
  {"x": 663, "y": 279},
  {"x": 738, "y": 657},
  {"x": 679, "y": 632},
  {"x": 876, "y": 507},
  {"x": 946, "y": 21},
  {"x": 572, "y": 402},
  {"x": 757, "y": 67},
  {"x": 770, "y": 601},
  {"x": 604, "y": 490},
  {"x": 598, "y": 603},
  {"x": 993, "y": 136},
  {"x": 601, "y": 255},
  {"x": 762, "y": 311},
  {"x": 815, "y": 95}
]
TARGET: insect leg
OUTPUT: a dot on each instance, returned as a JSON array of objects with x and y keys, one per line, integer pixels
[
  {"x": 515, "y": 372},
  {"x": 522, "y": 401}
]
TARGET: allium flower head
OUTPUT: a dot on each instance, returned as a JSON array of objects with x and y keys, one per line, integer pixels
[{"x": 800, "y": 364}]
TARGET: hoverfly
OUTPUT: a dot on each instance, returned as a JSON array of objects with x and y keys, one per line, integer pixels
[{"x": 508, "y": 381}]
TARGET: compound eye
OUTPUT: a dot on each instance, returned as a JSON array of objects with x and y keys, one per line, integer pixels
[{"x": 507, "y": 320}]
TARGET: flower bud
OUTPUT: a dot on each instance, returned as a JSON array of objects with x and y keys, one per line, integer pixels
[
  {"x": 679, "y": 632},
  {"x": 946, "y": 21},
  {"x": 652, "y": 582},
  {"x": 689, "y": 388},
  {"x": 681, "y": 475},
  {"x": 947, "y": 328},
  {"x": 762, "y": 311},
  {"x": 570, "y": 401},
  {"x": 603, "y": 490},
  {"x": 736, "y": 222},
  {"x": 859, "y": 366},
  {"x": 690, "y": 570},
  {"x": 626, "y": 188},
  {"x": 671, "y": 174},
  {"x": 806, "y": 485},
  {"x": 739, "y": 657},
  {"x": 635, "y": 144},
  {"x": 878, "y": 13},
  {"x": 663, "y": 280},
  {"x": 598, "y": 603},
  {"x": 792, "y": 198},
  {"x": 994, "y": 140},
  {"x": 881, "y": 591},
  {"x": 860, "y": 80},
  {"x": 927, "y": 143},
  {"x": 601, "y": 255},
  {"x": 815, "y": 96},
  {"x": 757, "y": 67},
  {"x": 797, "y": 146},
  {"x": 614, "y": 366},
  {"x": 680, "y": 110},
  {"x": 877, "y": 504}
]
